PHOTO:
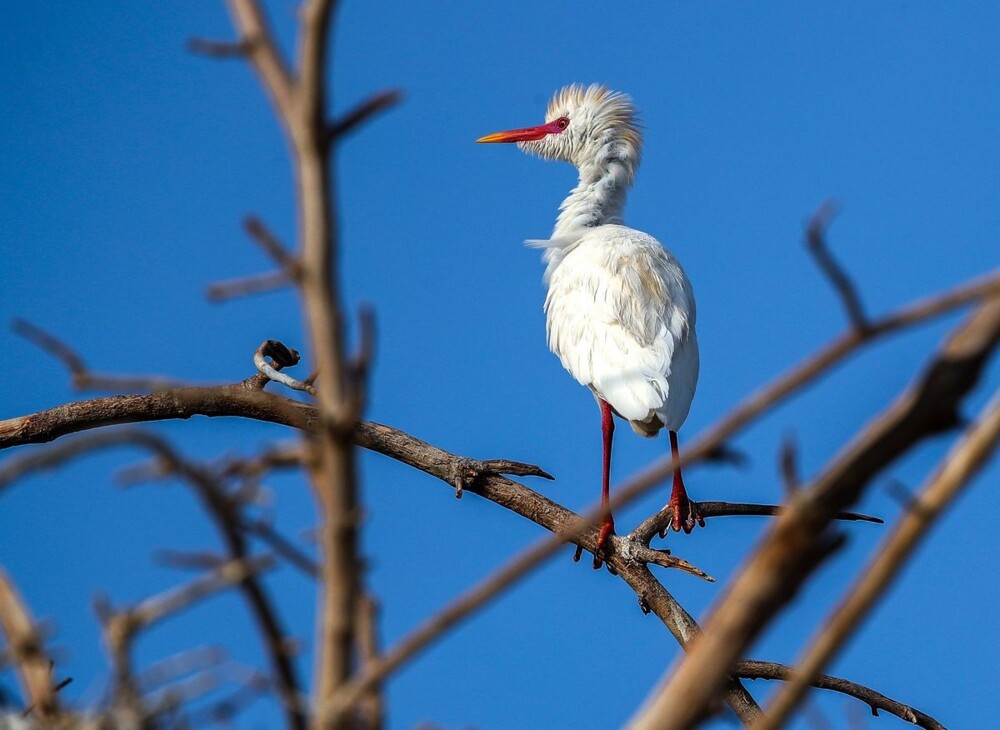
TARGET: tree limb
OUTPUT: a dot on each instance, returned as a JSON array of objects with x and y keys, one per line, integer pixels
[
  {"x": 799, "y": 540},
  {"x": 954, "y": 472}
]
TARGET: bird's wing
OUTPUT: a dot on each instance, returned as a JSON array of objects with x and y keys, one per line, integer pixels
[{"x": 620, "y": 313}]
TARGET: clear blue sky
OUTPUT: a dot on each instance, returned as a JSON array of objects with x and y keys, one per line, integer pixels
[{"x": 126, "y": 165}]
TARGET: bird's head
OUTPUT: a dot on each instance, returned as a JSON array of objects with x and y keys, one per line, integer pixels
[{"x": 583, "y": 126}]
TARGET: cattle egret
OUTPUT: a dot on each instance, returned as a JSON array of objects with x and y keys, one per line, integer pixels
[{"x": 620, "y": 311}]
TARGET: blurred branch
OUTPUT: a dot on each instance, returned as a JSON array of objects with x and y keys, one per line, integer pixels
[
  {"x": 289, "y": 273},
  {"x": 26, "y": 652},
  {"x": 248, "y": 285},
  {"x": 121, "y": 626},
  {"x": 363, "y": 112},
  {"x": 226, "y": 511},
  {"x": 799, "y": 540},
  {"x": 80, "y": 375},
  {"x": 246, "y": 400},
  {"x": 263, "y": 54},
  {"x": 841, "y": 282},
  {"x": 961, "y": 464}
]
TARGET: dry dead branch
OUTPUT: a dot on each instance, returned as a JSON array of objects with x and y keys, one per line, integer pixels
[{"x": 799, "y": 538}]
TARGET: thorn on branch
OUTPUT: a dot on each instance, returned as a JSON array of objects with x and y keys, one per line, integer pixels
[
  {"x": 364, "y": 111},
  {"x": 634, "y": 551},
  {"x": 465, "y": 472},
  {"x": 842, "y": 284}
]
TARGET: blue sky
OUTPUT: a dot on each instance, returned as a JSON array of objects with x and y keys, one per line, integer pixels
[{"x": 126, "y": 165}]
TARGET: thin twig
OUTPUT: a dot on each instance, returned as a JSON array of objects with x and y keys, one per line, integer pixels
[
  {"x": 841, "y": 282},
  {"x": 218, "y": 49},
  {"x": 81, "y": 376},
  {"x": 373, "y": 105},
  {"x": 271, "y": 244},
  {"x": 249, "y": 285},
  {"x": 751, "y": 669}
]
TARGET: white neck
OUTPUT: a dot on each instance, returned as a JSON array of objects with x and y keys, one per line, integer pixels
[{"x": 599, "y": 197}]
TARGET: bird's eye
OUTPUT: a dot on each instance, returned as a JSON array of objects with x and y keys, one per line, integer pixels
[{"x": 562, "y": 122}]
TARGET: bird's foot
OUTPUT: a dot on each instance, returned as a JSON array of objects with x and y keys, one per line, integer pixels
[
  {"x": 684, "y": 514},
  {"x": 607, "y": 528}
]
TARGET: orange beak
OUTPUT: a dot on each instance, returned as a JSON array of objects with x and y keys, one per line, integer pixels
[{"x": 525, "y": 134}]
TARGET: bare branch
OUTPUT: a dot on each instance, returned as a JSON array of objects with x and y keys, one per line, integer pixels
[
  {"x": 816, "y": 242},
  {"x": 751, "y": 669},
  {"x": 248, "y": 285},
  {"x": 262, "y": 50},
  {"x": 272, "y": 246},
  {"x": 370, "y": 107},
  {"x": 81, "y": 376},
  {"x": 962, "y": 463},
  {"x": 799, "y": 540},
  {"x": 27, "y": 652},
  {"x": 219, "y": 49},
  {"x": 133, "y": 619},
  {"x": 244, "y": 400}
]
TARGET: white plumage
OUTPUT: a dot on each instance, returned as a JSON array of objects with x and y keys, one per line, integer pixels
[
  {"x": 620, "y": 311},
  {"x": 620, "y": 315}
]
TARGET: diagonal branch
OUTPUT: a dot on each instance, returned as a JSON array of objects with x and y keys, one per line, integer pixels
[
  {"x": 799, "y": 539},
  {"x": 960, "y": 465},
  {"x": 841, "y": 282},
  {"x": 82, "y": 378},
  {"x": 370, "y": 107}
]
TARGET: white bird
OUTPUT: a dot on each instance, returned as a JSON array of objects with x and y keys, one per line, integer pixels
[{"x": 620, "y": 311}]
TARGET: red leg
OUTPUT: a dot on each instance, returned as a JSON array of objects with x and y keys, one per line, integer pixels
[
  {"x": 685, "y": 514},
  {"x": 608, "y": 431}
]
